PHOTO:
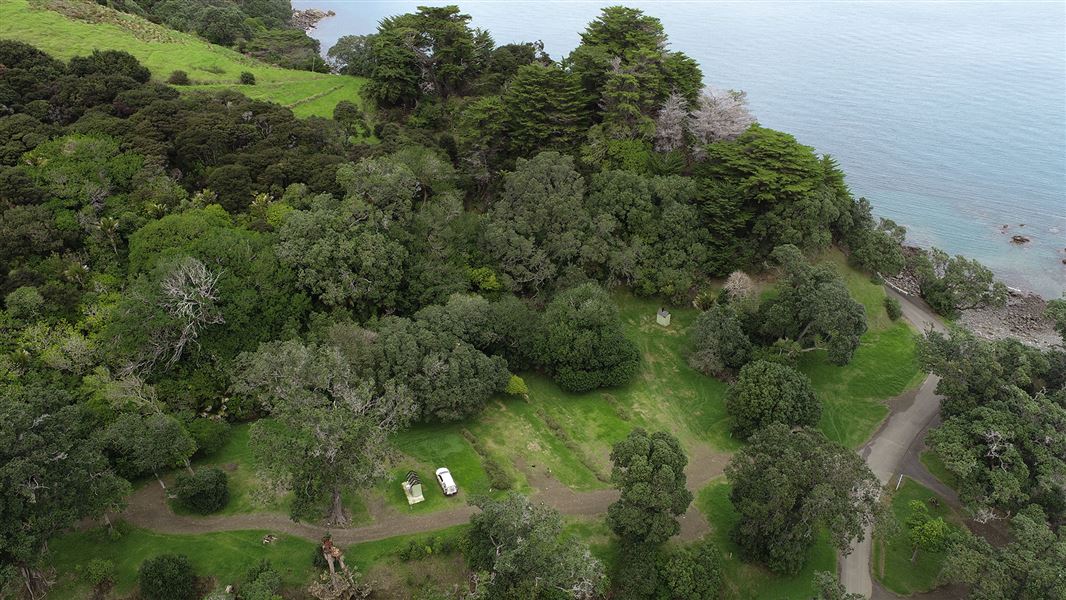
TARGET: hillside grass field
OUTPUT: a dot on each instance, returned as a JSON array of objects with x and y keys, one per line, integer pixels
[{"x": 68, "y": 28}]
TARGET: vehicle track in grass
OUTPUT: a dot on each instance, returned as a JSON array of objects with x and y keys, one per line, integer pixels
[{"x": 148, "y": 508}]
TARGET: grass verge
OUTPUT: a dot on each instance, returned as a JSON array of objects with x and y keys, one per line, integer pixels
[{"x": 892, "y": 554}]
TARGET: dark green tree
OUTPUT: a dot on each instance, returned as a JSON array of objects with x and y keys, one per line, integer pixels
[
  {"x": 954, "y": 283},
  {"x": 766, "y": 393},
  {"x": 790, "y": 484},
  {"x": 352, "y": 55},
  {"x": 519, "y": 549},
  {"x": 720, "y": 345},
  {"x": 692, "y": 573},
  {"x": 330, "y": 426},
  {"x": 814, "y": 308},
  {"x": 583, "y": 343},
  {"x": 205, "y": 491},
  {"x": 1031, "y": 566},
  {"x": 535, "y": 231},
  {"x": 787, "y": 194},
  {"x": 543, "y": 108},
  {"x": 52, "y": 475},
  {"x": 649, "y": 470}
]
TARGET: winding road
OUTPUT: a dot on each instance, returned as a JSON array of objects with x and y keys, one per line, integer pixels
[{"x": 899, "y": 437}]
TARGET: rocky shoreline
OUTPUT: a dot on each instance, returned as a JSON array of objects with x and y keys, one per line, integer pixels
[
  {"x": 308, "y": 18},
  {"x": 1021, "y": 318}
]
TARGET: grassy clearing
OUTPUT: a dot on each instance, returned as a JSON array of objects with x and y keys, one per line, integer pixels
[
  {"x": 892, "y": 555},
  {"x": 225, "y": 557},
  {"x": 424, "y": 450},
  {"x": 884, "y": 366},
  {"x": 749, "y": 581},
  {"x": 251, "y": 490},
  {"x": 163, "y": 51},
  {"x": 937, "y": 468}
]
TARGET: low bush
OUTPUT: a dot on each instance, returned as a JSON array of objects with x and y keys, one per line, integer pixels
[
  {"x": 499, "y": 478},
  {"x": 247, "y": 78},
  {"x": 99, "y": 573},
  {"x": 205, "y": 491},
  {"x": 178, "y": 77},
  {"x": 892, "y": 307},
  {"x": 421, "y": 549}
]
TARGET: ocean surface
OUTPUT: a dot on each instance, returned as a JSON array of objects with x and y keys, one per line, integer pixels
[{"x": 949, "y": 116}]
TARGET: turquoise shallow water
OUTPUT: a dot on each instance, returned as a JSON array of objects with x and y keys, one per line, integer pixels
[{"x": 949, "y": 116}]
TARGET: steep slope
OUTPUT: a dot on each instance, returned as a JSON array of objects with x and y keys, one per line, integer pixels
[{"x": 66, "y": 28}]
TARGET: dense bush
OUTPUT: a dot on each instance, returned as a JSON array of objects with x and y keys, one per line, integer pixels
[
  {"x": 247, "y": 78},
  {"x": 178, "y": 77},
  {"x": 167, "y": 577},
  {"x": 205, "y": 491}
]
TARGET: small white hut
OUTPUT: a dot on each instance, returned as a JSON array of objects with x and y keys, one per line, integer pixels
[{"x": 663, "y": 317}]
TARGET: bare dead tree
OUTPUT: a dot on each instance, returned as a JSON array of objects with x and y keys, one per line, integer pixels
[
  {"x": 722, "y": 115},
  {"x": 190, "y": 295},
  {"x": 739, "y": 285},
  {"x": 671, "y": 123}
]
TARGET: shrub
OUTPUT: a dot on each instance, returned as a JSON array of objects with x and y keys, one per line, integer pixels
[
  {"x": 167, "y": 577},
  {"x": 210, "y": 434},
  {"x": 99, "y": 573},
  {"x": 205, "y": 491},
  {"x": 892, "y": 307},
  {"x": 178, "y": 77},
  {"x": 247, "y": 78},
  {"x": 516, "y": 386},
  {"x": 499, "y": 478}
]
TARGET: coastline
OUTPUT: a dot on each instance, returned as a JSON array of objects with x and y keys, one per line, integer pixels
[{"x": 1021, "y": 318}]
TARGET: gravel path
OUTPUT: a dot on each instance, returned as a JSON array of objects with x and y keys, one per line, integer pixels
[
  {"x": 895, "y": 445},
  {"x": 148, "y": 508}
]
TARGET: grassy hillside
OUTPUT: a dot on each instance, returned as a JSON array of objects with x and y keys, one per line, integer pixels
[{"x": 66, "y": 28}]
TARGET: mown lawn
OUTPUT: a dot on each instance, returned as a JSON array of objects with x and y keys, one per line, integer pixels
[
  {"x": 225, "y": 556},
  {"x": 892, "y": 555},
  {"x": 424, "y": 450},
  {"x": 885, "y": 365},
  {"x": 744, "y": 581},
  {"x": 164, "y": 50}
]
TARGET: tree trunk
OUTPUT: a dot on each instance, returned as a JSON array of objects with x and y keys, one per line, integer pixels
[
  {"x": 915, "y": 555},
  {"x": 27, "y": 577},
  {"x": 336, "y": 508},
  {"x": 188, "y": 467},
  {"x": 107, "y": 519},
  {"x": 160, "y": 480}
]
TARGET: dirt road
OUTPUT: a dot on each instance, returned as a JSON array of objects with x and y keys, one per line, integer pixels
[{"x": 149, "y": 509}]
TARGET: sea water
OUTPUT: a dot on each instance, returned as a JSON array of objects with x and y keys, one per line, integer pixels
[{"x": 949, "y": 116}]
